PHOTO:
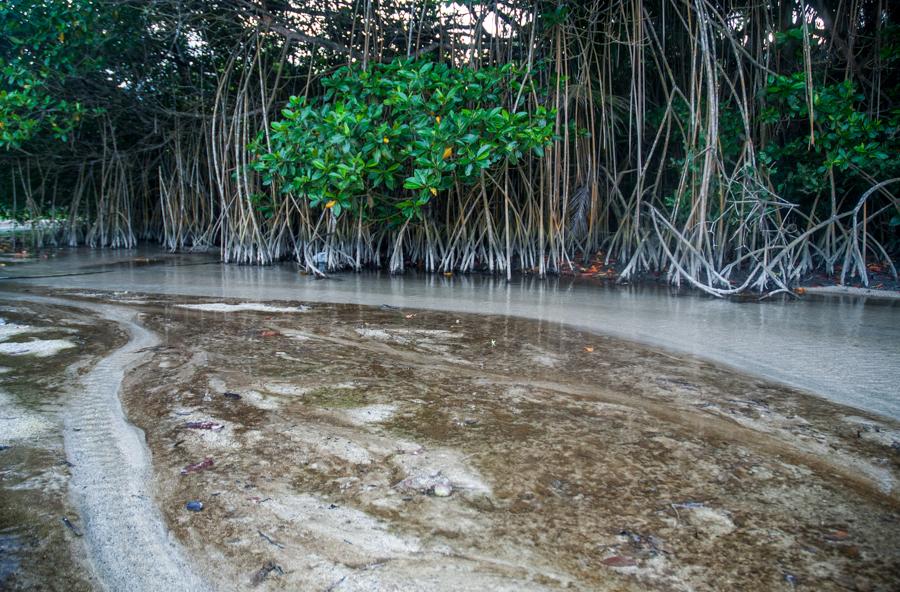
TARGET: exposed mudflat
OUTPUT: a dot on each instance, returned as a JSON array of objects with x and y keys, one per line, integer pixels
[
  {"x": 365, "y": 448},
  {"x": 38, "y": 550}
]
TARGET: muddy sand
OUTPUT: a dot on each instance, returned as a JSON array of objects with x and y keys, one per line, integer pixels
[{"x": 342, "y": 447}]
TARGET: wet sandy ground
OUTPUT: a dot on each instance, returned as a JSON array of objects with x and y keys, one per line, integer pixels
[
  {"x": 573, "y": 461},
  {"x": 339, "y": 447},
  {"x": 43, "y": 351}
]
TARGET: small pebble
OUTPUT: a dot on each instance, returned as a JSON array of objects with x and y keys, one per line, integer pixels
[{"x": 443, "y": 490}]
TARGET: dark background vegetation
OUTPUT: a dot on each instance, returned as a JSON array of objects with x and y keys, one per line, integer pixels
[{"x": 730, "y": 145}]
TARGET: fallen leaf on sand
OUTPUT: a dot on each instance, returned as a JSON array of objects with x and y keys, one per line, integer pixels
[
  {"x": 619, "y": 561},
  {"x": 589, "y": 348},
  {"x": 204, "y": 464},
  {"x": 269, "y": 333}
]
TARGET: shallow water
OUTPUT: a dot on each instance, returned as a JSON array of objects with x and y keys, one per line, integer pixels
[
  {"x": 846, "y": 349},
  {"x": 37, "y": 550}
]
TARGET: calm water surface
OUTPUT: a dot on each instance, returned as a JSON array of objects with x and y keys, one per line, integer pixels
[{"x": 846, "y": 349}]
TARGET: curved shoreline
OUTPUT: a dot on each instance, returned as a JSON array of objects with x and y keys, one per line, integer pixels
[
  {"x": 852, "y": 291},
  {"x": 837, "y": 348},
  {"x": 128, "y": 544}
]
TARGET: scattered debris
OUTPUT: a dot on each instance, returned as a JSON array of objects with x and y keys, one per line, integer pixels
[
  {"x": 204, "y": 464},
  {"x": 837, "y": 536},
  {"x": 270, "y": 540},
  {"x": 204, "y": 425},
  {"x": 232, "y": 396},
  {"x": 589, "y": 349},
  {"x": 791, "y": 580},
  {"x": 71, "y": 527},
  {"x": 194, "y": 506},
  {"x": 410, "y": 316},
  {"x": 619, "y": 561},
  {"x": 264, "y": 571},
  {"x": 336, "y": 584},
  {"x": 442, "y": 490},
  {"x": 269, "y": 333},
  {"x": 430, "y": 484},
  {"x": 643, "y": 543},
  {"x": 689, "y": 505}
]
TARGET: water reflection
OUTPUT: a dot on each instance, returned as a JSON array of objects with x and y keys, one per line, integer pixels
[{"x": 843, "y": 348}]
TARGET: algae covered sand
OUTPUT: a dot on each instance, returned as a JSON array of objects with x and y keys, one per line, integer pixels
[
  {"x": 378, "y": 448},
  {"x": 363, "y": 448}
]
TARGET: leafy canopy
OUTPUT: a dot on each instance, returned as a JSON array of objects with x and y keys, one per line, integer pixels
[
  {"x": 847, "y": 139},
  {"x": 396, "y": 135},
  {"x": 44, "y": 44}
]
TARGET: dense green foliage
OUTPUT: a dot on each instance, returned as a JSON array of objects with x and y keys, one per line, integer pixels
[
  {"x": 708, "y": 140},
  {"x": 845, "y": 138},
  {"x": 392, "y": 137},
  {"x": 33, "y": 59}
]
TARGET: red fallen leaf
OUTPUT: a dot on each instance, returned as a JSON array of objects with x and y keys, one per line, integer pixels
[
  {"x": 269, "y": 333},
  {"x": 619, "y": 561},
  {"x": 204, "y": 464},
  {"x": 837, "y": 535}
]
